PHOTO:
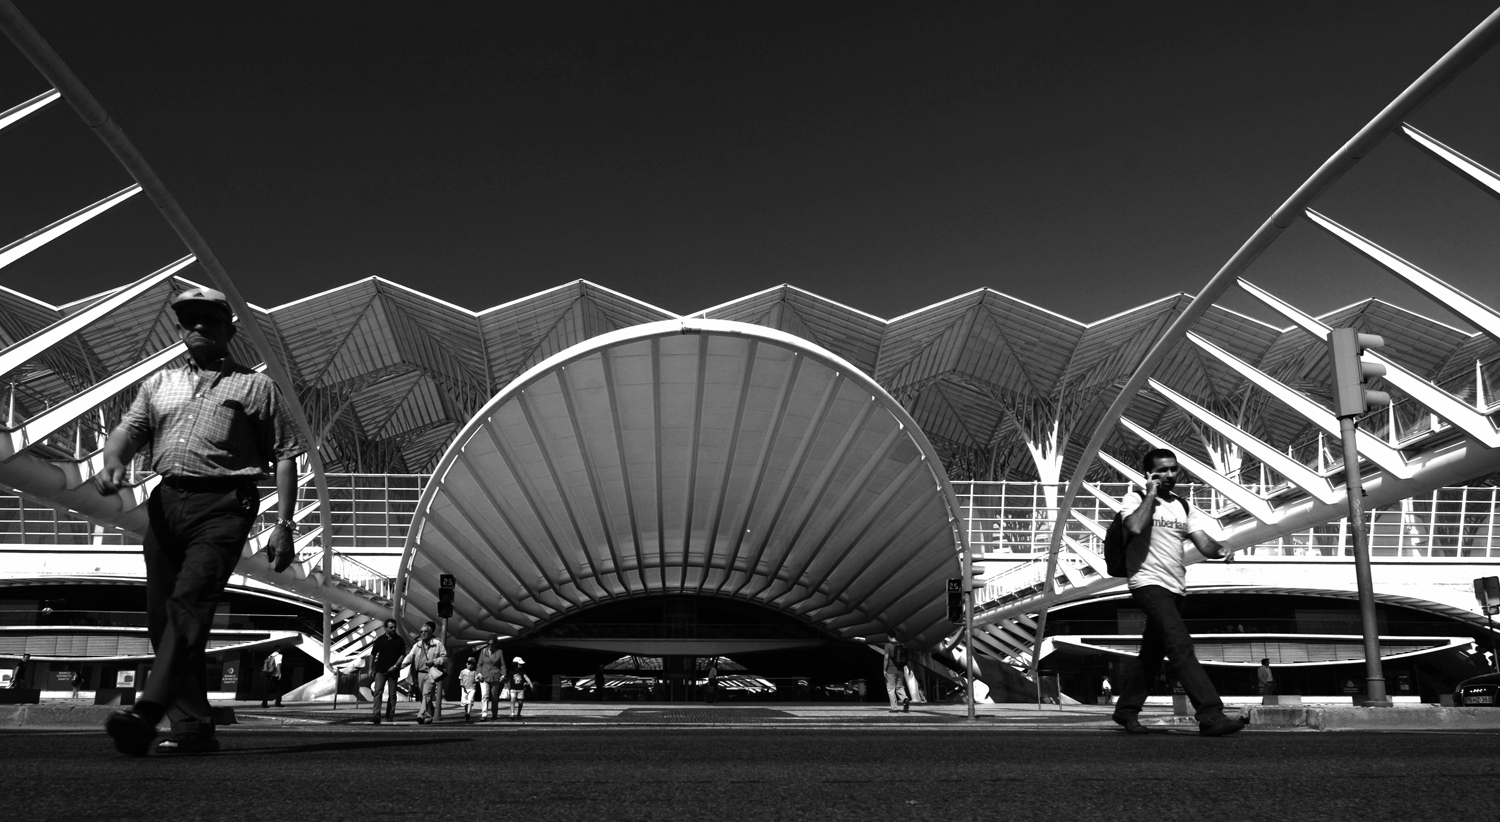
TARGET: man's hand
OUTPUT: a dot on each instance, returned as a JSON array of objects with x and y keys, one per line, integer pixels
[
  {"x": 279, "y": 548},
  {"x": 111, "y": 478}
]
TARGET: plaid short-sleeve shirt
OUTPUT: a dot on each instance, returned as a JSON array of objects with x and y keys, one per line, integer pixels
[{"x": 193, "y": 422}]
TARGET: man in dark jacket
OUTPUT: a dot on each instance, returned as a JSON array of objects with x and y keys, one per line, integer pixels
[{"x": 385, "y": 663}]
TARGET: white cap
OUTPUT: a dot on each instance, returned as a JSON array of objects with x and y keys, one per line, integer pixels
[{"x": 518, "y": 661}]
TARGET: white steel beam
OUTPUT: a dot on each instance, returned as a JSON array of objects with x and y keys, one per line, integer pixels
[
  {"x": 45, "y": 424},
  {"x": 1093, "y": 558},
  {"x": 1483, "y": 317},
  {"x": 1488, "y": 181},
  {"x": 1445, "y": 405},
  {"x": 1371, "y": 448},
  {"x": 36, "y": 239},
  {"x": 1250, "y": 502},
  {"x": 1295, "y": 472},
  {"x": 37, "y": 103}
]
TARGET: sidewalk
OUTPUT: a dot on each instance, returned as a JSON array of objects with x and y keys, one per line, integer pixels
[{"x": 74, "y": 714}]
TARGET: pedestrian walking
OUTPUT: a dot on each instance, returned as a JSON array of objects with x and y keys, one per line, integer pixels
[
  {"x": 468, "y": 685},
  {"x": 211, "y": 430},
  {"x": 894, "y": 666},
  {"x": 491, "y": 678},
  {"x": 713, "y": 680},
  {"x": 270, "y": 678},
  {"x": 1265, "y": 678},
  {"x": 1160, "y": 527},
  {"x": 427, "y": 658},
  {"x": 1106, "y": 690},
  {"x": 76, "y": 682},
  {"x": 517, "y": 683},
  {"x": 385, "y": 663},
  {"x": 21, "y": 676}
]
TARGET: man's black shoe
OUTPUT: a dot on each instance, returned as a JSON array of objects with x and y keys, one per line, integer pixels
[
  {"x": 131, "y": 732},
  {"x": 1222, "y": 726},
  {"x": 377, "y": 721},
  {"x": 1130, "y": 724}
]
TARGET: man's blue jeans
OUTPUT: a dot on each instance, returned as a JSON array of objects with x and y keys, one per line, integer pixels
[{"x": 1166, "y": 636}]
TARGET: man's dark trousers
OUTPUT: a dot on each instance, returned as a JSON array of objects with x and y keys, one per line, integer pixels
[
  {"x": 195, "y": 541},
  {"x": 270, "y": 688},
  {"x": 1166, "y": 636}
]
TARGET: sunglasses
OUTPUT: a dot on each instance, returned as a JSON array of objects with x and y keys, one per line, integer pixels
[{"x": 191, "y": 321}]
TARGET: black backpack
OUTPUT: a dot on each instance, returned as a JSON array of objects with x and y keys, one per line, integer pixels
[
  {"x": 1115, "y": 541},
  {"x": 898, "y": 656}
]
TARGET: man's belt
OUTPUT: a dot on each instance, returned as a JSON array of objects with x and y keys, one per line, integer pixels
[{"x": 217, "y": 485}]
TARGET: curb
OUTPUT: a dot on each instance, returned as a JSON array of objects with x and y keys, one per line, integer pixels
[
  {"x": 77, "y": 716},
  {"x": 1423, "y": 718}
]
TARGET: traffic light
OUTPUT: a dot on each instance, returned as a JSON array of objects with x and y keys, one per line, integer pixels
[
  {"x": 1351, "y": 397},
  {"x": 972, "y": 572},
  {"x": 446, "y": 585},
  {"x": 955, "y": 600},
  {"x": 1487, "y": 591}
]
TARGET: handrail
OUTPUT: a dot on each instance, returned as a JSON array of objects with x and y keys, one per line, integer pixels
[{"x": 1458, "y": 58}]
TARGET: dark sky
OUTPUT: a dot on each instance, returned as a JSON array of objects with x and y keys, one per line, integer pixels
[{"x": 1084, "y": 156}]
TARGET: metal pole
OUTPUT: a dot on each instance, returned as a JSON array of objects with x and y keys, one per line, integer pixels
[
  {"x": 437, "y": 709},
  {"x": 1374, "y": 676},
  {"x": 970, "y": 662},
  {"x": 1494, "y": 643}
]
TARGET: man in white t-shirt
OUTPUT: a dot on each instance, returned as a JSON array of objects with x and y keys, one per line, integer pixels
[{"x": 1157, "y": 576}]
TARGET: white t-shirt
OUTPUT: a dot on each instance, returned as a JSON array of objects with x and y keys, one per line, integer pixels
[{"x": 1171, "y": 522}]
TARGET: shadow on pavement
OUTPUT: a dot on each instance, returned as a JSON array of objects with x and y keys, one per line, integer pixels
[{"x": 351, "y": 745}]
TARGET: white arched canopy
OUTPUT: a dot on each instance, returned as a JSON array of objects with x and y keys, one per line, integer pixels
[{"x": 689, "y": 457}]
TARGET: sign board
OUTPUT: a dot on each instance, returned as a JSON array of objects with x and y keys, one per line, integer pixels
[
  {"x": 124, "y": 679},
  {"x": 446, "y": 581}
]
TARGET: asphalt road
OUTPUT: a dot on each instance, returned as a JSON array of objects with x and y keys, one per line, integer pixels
[{"x": 645, "y": 773}]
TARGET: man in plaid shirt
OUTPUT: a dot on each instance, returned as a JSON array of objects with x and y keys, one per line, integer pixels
[{"x": 212, "y": 429}]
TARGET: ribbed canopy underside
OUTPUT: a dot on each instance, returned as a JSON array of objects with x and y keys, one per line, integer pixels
[{"x": 689, "y": 456}]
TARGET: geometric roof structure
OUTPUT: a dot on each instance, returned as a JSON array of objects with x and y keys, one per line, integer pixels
[
  {"x": 388, "y": 374},
  {"x": 702, "y": 457}
]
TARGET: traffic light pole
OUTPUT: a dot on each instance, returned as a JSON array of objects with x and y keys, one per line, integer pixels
[
  {"x": 437, "y": 697},
  {"x": 970, "y": 660},
  {"x": 1374, "y": 675}
]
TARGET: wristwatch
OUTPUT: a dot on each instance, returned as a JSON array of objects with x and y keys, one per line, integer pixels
[{"x": 289, "y": 524}]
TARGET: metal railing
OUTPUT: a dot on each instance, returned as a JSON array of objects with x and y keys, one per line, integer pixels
[{"x": 1010, "y": 525}]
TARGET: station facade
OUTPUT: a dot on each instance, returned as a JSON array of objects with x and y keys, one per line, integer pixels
[{"x": 781, "y": 483}]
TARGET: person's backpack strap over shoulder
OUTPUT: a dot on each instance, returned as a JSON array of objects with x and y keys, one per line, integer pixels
[{"x": 1123, "y": 553}]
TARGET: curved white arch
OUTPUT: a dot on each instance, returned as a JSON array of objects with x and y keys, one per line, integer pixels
[{"x": 688, "y": 456}]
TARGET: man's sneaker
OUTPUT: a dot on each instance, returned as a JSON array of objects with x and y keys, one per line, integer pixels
[
  {"x": 131, "y": 731},
  {"x": 1130, "y": 723},
  {"x": 1222, "y": 726},
  {"x": 188, "y": 745}
]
